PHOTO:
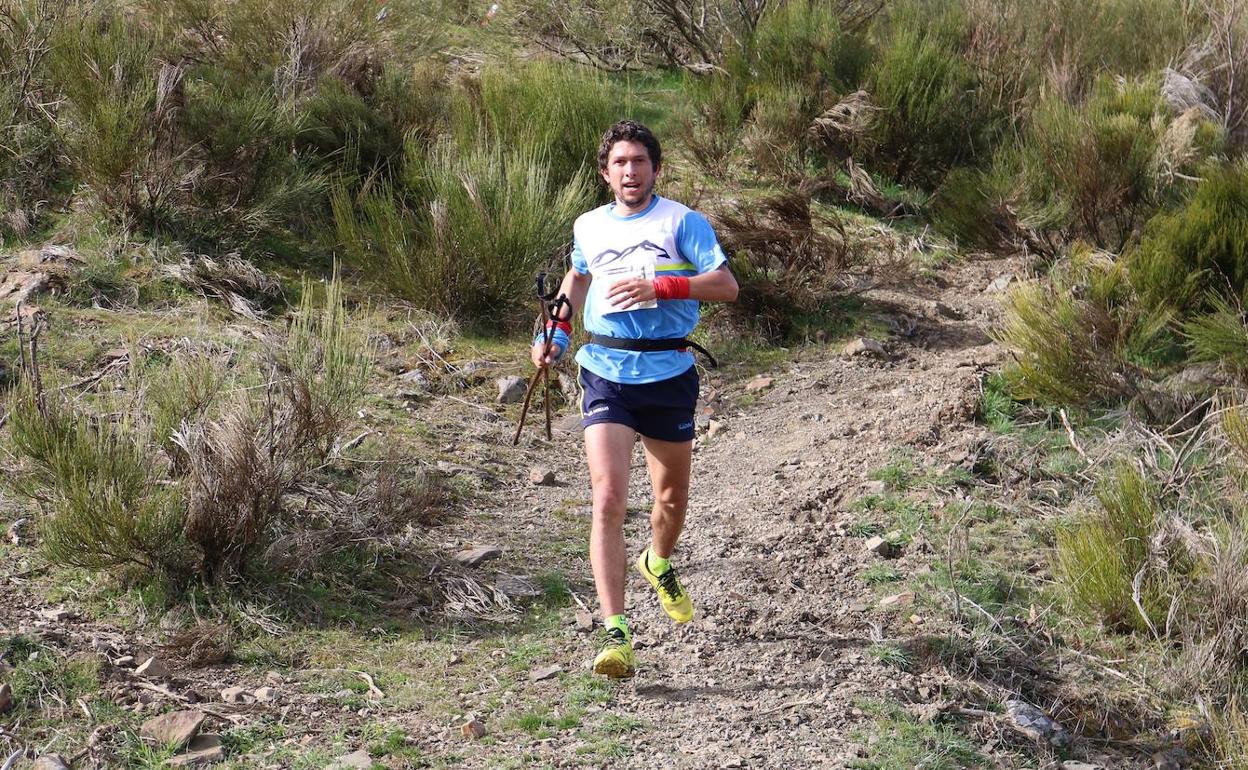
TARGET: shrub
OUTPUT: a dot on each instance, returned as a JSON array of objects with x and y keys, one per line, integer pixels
[
  {"x": 717, "y": 107},
  {"x": 551, "y": 110},
  {"x": 29, "y": 166},
  {"x": 465, "y": 232},
  {"x": 1080, "y": 338},
  {"x": 1099, "y": 557},
  {"x": 1219, "y": 337},
  {"x": 969, "y": 205},
  {"x": 802, "y": 42},
  {"x": 108, "y": 509},
  {"x": 776, "y": 135},
  {"x": 1199, "y": 251},
  {"x": 218, "y": 501},
  {"x": 932, "y": 115},
  {"x": 1093, "y": 171},
  {"x": 789, "y": 261},
  {"x": 110, "y": 126},
  {"x": 241, "y": 464},
  {"x": 646, "y": 33},
  {"x": 1230, "y": 734},
  {"x": 1090, "y": 166}
]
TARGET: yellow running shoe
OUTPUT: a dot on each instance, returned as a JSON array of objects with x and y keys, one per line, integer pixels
[
  {"x": 671, "y": 593},
  {"x": 615, "y": 661}
]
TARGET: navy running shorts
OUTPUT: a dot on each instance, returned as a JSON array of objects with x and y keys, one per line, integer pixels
[{"x": 660, "y": 410}]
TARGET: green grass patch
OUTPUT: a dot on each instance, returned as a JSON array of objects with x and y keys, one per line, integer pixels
[{"x": 904, "y": 743}]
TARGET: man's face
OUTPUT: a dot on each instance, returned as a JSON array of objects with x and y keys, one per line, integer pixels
[{"x": 630, "y": 173}]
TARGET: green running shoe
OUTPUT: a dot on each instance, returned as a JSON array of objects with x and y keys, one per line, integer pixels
[
  {"x": 615, "y": 661},
  {"x": 671, "y": 593}
]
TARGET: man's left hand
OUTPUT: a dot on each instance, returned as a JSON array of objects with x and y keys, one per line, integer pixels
[{"x": 629, "y": 292}]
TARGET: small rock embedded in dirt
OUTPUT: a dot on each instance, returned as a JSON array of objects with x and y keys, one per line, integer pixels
[
  {"x": 881, "y": 546},
  {"x": 518, "y": 588},
  {"x": 272, "y": 677},
  {"x": 864, "y": 346},
  {"x": 1035, "y": 724},
  {"x": 414, "y": 378},
  {"x": 267, "y": 695},
  {"x": 584, "y": 621},
  {"x": 916, "y": 620},
  {"x": 19, "y": 286},
  {"x": 542, "y": 477},
  {"x": 6, "y": 698},
  {"x": 542, "y": 674},
  {"x": 759, "y": 384},
  {"x": 50, "y": 253},
  {"x": 947, "y": 311},
  {"x": 713, "y": 428},
  {"x": 152, "y": 668},
  {"x": 999, "y": 284},
  {"x": 204, "y": 750},
  {"x": 125, "y": 661},
  {"x": 55, "y": 614},
  {"x": 511, "y": 389},
  {"x": 874, "y": 488},
  {"x": 51, "y": 762},
  {"x": 473, "y": 557},
  {"x": 14, "y": 532},
  {"x": 903, "y": 599},
  {"x": 356, "y": 760},
  {"x": 176, "y": 729},
  {"x": 1072, "y": 764},
  {"x": 473, "y": 728},
  {"x": 235, "y": 695}
]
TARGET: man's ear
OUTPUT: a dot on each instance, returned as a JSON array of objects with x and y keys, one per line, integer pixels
[{"x": 602, "y": 172}]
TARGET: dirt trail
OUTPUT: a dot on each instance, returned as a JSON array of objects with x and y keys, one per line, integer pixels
[{"x": 768, "y": 673}]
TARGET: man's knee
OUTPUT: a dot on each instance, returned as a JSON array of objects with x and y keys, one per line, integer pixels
[
  {"x": 672, "y": 501},
  {"x": 610, "y": 504}
]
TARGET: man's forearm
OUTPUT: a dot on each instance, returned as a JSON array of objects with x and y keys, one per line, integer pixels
[
  {"x": 575, "y": 287},
  {"x": 716, "y": 286}
]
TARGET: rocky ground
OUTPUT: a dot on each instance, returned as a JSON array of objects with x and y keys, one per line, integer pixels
[{"x": 793, "y": 660}]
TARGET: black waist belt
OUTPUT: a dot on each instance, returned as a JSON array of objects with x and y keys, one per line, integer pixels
[{"x": 651, "y": 346}]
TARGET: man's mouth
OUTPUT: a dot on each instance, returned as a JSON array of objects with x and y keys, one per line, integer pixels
[{"x": 631, "y": 186}]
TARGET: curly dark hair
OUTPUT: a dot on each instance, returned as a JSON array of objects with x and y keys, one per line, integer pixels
[{"x": 629, "y": 131}]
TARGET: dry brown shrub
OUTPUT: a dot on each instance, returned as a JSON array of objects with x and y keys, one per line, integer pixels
[
  {"x": 788, "y": 258},
  {"x": 203, "y": 644},
  {"x": 846, "y": 125}
]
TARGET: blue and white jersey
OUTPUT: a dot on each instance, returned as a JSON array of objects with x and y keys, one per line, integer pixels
[{"x": 666, "y": 239}]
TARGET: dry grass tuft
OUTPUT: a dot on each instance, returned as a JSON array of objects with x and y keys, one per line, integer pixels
[
  {"x": 244, "y": 288},
  {"x": 788, "y": 258},
  {"x": 203, "y": 644}
]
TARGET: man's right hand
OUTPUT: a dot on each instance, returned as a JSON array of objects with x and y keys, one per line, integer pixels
[{"x": 536, "y": 354}]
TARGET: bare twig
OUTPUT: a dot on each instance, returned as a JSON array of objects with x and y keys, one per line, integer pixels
[
  {"x": 374, "y": 692},
  {"x": 1070, "y": 436},
  {"x": 1136, "y": 589}
]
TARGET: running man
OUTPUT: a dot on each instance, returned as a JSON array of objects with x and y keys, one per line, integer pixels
[{"x": 640, "y": 266}]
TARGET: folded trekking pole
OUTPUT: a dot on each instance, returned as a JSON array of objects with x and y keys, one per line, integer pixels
[{"x": 550, "y": 310}]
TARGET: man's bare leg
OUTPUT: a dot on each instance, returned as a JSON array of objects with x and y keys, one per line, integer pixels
[
  {"x": 609, "y": 450},
  {"x": 669, "y": 463}
]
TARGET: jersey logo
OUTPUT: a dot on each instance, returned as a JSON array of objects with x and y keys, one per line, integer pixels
[{"x": 611, "y": 255}]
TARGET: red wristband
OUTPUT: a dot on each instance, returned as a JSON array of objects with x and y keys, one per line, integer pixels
[
  {"x": 565, "y": 325},
  {"x": 671, "y": 287}
]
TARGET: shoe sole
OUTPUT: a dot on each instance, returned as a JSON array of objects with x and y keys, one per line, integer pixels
[
  {"x": 614, "y": 669},
  {"x": 654, "y": 583}
]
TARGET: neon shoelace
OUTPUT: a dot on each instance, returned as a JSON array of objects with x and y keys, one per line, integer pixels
[
  {"x": 614, "y": 638},
  {"x": 670, "y": 584}
]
